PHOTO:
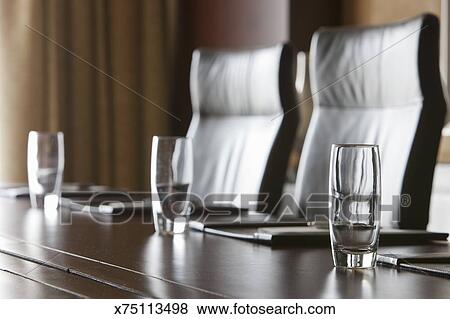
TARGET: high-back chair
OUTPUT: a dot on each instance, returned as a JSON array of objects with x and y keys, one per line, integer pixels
[
  {"x": 241, "y": 137},
  {"x": 377, "y": 85}
]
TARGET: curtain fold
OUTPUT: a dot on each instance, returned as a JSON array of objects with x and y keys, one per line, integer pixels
[{"x": 94, "y": 69}]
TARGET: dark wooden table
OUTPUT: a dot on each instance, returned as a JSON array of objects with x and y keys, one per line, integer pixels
[{"x": 110, "y": 257}]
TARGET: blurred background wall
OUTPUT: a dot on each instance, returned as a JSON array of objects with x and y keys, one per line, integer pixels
[
  {"x": 111, "y": 74},
  {"x": 94, "y": 69}
]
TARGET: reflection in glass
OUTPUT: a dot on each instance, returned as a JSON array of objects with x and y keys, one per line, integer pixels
[
  {"x": 45, "y": 168},
  {"x": 171, "y": 180},
  {"x": 355, "y": 210}
]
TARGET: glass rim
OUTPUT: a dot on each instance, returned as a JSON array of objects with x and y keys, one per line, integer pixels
[
  {"x": 48, "y": 133},
  {"x": 171, "y": 137},
  {"x": 355, "y": 145}
]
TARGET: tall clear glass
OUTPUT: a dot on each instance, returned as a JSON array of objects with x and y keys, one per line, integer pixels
[
  {"x": 45, "y": 168},
  {"x": 355, "y": 189},
  {"x": 171, "y": 179}
]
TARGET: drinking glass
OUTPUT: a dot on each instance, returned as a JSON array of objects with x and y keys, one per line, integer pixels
[
  {"x": 355, "y": 189},
  {"x": 45, "y": 168},
  {"x": 171, "y": 180}
]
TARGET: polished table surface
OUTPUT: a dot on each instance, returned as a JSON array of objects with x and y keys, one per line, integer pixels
[{"x": 78, "y": 255}]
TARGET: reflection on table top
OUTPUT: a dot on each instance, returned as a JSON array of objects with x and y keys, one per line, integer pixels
[{"x": 121, "y": 257}]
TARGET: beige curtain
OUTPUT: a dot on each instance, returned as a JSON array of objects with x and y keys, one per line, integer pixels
[{"x": 97, "y": 70}]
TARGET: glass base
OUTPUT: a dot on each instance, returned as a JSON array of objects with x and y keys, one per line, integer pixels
[
  {"x": 37, "y": 201},
  {"x": 44, "y": 201},
  {"x": 166, "y": 226},
  {"x": 354, "y": 260}
]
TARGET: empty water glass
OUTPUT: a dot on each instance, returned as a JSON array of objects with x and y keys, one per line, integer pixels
[
  {"x": 171, "y": 180},
  {"x": 355, "y": 189},
  {"x": 45, "y": 168}
]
